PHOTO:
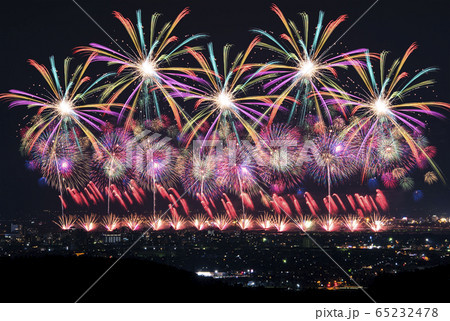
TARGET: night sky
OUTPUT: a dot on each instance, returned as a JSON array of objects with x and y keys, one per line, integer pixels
[{"x": 39, "y": 29}]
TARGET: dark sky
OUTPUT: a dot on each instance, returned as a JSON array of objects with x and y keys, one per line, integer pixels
[{"x": 38, "y": 29}]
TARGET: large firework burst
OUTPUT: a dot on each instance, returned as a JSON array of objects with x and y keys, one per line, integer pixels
[
  {"x": 307, "y": 67},
  {"x": 385, "y": 103},
  {"x": 223, "y": 99},
  {"x": 147, "y": 67},
  {"x": 63, "y": 107}
]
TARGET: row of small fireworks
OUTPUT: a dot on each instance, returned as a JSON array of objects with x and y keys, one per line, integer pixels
[{"x": 264, "y": 222}]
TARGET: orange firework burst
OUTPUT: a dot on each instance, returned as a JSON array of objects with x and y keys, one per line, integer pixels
[
  {"x": 156, "y": 222},
  {"x": 265, "y": 221},
  {"x": 281, "y": 223},
  {"x": 352, "y": 222},
  {"x": 328, "y": 223},
  {"x": 222, "y": 222},
  {"x": 177, "y": 223},
  {"x": 377, "y": 223},
  {"x": 111, "y": 222},
  {"x": 304, "y": 223},
  {"x": 199, "y": 221},
  {"x": 133, "y": 221},
  {"x": 66, "y": 222},
  {"x": 88, "y": 222},
  {"x": 245, "y": 222}
]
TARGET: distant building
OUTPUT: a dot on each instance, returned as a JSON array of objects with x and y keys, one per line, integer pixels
[
  {"x": 112, "y": 238},
  {"x": 16, "y": 228}
]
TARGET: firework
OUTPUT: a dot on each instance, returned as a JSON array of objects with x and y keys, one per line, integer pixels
[
  {"x": 328, "y": 223},
  {"x": 304, "y": 223},
  {"x": 376, "y": 223},
  {"x": 222, "y": 222},
  {"x": 407, "y": 183},
  {"x": 62, "y": 161},
  {"x": 417, "y": 195},
  {"x": 430, "y": 178},
  {"x": 66, "y": 222},
  {"x": 147, "y": 68},
  {"x": 156, "y": 222},
  {"x": 111, "y": 222},
  {"x": 199, "y": 174},
  {"x": 155, "y": 164},
  {"x": 332, "y": 159},
  {"x": 245, "y": 222},
  {"x": 222, "y": 99},
  {"x": 389, "y": 180},
  {"x": 88, "y": 222},
  {"x": 133, "y": 221},
  {"x": 385, "y": 104},
  {"x": 177, "y": 223},
  {"x": 308, "y": 67},
  {"x": 111, "y": 163},
  {"x": 63, "y": 107},
  {"x": 265, "y": 221},
  {"x": 398, "y": 172},
  {"x": 237, "y": 170},
  {"x": 278, "y": 156},
  {"x": 281, "y": 223},
  {"x": 352, "y": 222},
  {"x": 199, "y": 221}
]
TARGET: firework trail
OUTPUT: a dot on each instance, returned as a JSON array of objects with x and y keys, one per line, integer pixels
[
  {"x": 296, "y": 204},
  {"x": 351, "y": 200},
  {"x": 330, "y": 205},
  {"x": 308, "y": 67},
  {"x": 281, "y": 205},
  {"x": 340, "y": 202},
  {"x": 88, "y": 222},
  {"x": 66, "y": 222},
  {"x": 147, "y": 68},
  {"x": 311, "y": 203}
]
